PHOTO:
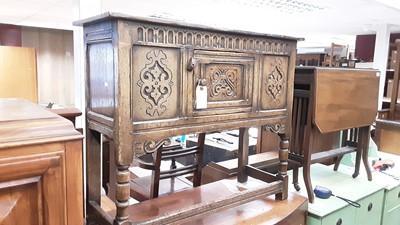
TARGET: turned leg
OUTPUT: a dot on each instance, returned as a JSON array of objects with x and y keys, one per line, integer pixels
[
  {"x": 243, "y": 154},
  {"x": 122, "y": 195},
  {"x": 283, "y": 165}
]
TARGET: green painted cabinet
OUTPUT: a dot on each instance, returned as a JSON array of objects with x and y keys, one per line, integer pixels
[
  {"x": 334, "y": 211},
  {"x": 391, "y": 203},
  {"x": 371, "y": 209},
  {"x": 344, "y": 216},
  {"x": 391, "y": 208}
]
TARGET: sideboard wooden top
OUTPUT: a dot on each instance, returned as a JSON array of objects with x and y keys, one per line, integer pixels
[
  {"x": 116, "y": 15},
  {"x": 24, "y": 123}
]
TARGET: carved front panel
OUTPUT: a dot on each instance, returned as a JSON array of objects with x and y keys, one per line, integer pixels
[
  {"x": 229, "y": 81},
  {"x": 225, "y": 82},
  {"x": 274, "y": 82},
  {"x": 155, "y": 83}
]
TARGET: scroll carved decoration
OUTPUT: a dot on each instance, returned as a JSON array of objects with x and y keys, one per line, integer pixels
[
  {"x": 275, "y": 82},
  {"x": 152, "y": 146},
  {"x": 155, "y": 82},
  {"x": 223, "y": 83},
  {"x": 276, "y": 128}
]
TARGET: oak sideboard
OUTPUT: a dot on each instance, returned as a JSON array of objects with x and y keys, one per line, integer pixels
[{"x": 148, "y": 79}]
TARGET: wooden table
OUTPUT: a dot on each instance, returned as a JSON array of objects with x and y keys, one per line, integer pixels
[
  {"x": 326, "y": 102},
  {"x": 40, "y": 166},
  {"x": 150, "y": 79}
]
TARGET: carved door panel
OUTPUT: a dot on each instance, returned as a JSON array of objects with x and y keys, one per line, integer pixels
[
  {"x": 229, "y": 80},
  {"x": 31, "y": 190},
  {"x": 155, "y": 81},
  {"x": 274, "y": 83}
]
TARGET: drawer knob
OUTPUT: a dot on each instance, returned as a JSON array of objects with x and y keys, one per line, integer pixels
[
  {"x": 192, "y": 63},
  {"x": 202, "y": 82},
  {"x": 370, "y": 206},
  {"x": 339, "y": 221},
  {"x": 398, "y": 195}
]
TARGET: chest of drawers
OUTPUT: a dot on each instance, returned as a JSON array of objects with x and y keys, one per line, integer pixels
[
  {"x": 368, "y": 194},
  {"x": 40, "y": 166}
]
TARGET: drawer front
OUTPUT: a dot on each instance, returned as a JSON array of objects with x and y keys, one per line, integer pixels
[
  {"x": 32, "y": 190},
  {"x": 228, "y": 77},
  {"x": 392, "y": 198},
  {"x": 371, "y": 209},
  {"x": 391, "y": 217},
  {"x": 344, "y": 216},
  {"x": 156, "y": 83}
]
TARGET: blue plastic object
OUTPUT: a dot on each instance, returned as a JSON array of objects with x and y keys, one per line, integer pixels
[
  {"x": 322, "y": 192},
  {"x": 325, "y": 193}
]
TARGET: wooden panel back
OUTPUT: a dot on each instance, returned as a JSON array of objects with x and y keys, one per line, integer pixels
[
  {"x": 345, "y": 98},
  {"x": 18, "y": 77}
]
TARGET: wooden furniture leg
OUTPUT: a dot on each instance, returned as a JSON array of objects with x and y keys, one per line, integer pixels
[
  {"x": 122, "y": 195},
  {"x": 243, "y": 154},
  {"x": 283, "y": 164},
  {"x": 93, "y": 167},
  {"x": 365, "y": 148},
  {"x": 337, "y": 162},
  {"x": 307, "y": 181},
  {"x": 296, "y": 178},
  {"x": 197, "y": 176},
  {"x": 358, "y": 153}
]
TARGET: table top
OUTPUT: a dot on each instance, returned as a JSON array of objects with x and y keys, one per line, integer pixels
[{"x": 24, "y": 123}]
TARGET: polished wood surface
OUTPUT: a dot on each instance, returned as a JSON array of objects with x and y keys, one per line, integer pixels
[
  {"x": 68, "y": 113},
  {"x": 40, "y": 166},
  {"x": 263, "y": 210},
  {"x": 18, "y": 64},
  {"x": 345, "y": 98},
  {"x": 292, "y": 211},
  {"x": 146, "y": 76}
]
